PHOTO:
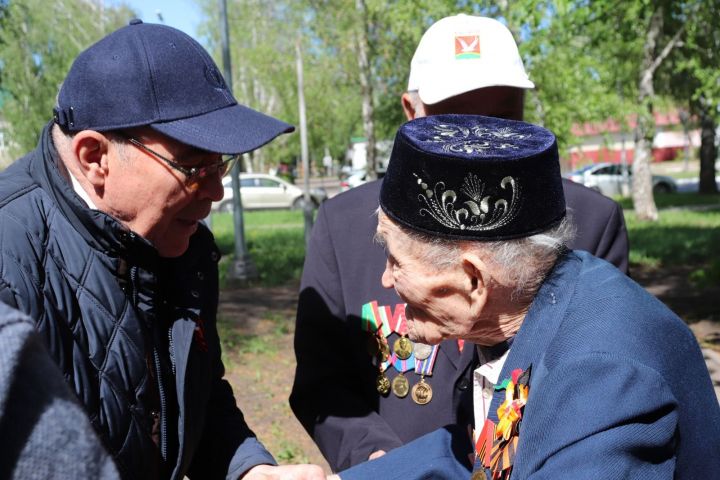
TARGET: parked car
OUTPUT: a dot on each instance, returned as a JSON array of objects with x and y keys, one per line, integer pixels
[
  {"x": 259, "y": 190},
  {"x": 607, "y": 178}
]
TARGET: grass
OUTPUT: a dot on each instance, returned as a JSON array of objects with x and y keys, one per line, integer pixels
[
  {"x": 678, "y": 237},
  {"x": 275, "y": 240},
  {"x": 675, "y": 200},
  {"x": 681, "y": 236}
]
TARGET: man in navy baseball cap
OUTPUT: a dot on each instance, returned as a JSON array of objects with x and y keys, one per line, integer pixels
[{"x": 101, "y": 225}]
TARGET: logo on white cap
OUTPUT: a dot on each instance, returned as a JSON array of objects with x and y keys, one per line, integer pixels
[{"x": 467, "y": 46}]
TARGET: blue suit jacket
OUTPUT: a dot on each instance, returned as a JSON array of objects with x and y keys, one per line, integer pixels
[
  {"x": 334, "y": 393},
  {"x": 618, "y": 389}
]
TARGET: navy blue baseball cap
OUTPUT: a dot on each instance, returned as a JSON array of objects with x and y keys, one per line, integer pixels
[
  {"x": 157, "y": 76},
  {"x": 474, "y": 178}
]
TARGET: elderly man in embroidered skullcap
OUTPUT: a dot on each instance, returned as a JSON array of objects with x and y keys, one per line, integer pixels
[
  {"x": 586, "y": 386},
  {"x": 348, "y": 325}
]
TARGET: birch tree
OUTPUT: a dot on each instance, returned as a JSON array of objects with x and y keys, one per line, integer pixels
[{"x": 38, "y": 42}]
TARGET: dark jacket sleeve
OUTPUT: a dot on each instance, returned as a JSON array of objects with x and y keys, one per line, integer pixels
[
  {"x": 333, "y": 394},
  {"x": 227, "y": 446},
  {"x": 600, "y": 224}
]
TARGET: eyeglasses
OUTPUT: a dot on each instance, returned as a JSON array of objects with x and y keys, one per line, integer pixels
[{"x": 192, "y": 174}]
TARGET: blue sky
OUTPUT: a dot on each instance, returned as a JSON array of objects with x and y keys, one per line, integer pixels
[{"x": 181, "y": 14}]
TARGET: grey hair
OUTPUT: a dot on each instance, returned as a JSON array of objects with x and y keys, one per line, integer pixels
[{"x": 521, "y": 263}]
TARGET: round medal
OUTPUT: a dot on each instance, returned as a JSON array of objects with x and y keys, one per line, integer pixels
[
  {"x": 403, "y": 348},
  {"x": 479, "y": 475},
  {"x": 422, "y": 393},
  {"x": 382, "y": 384},
  {"x": 400, "y": 386},
  {"x": 422, "y": 351}
]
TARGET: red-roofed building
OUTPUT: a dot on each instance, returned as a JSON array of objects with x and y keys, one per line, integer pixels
[{"x": 605, "y": 142}]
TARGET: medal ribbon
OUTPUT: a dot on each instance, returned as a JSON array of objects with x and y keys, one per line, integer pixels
[
  {"x": 425, "y": 367},
  {"x": 385, "y": 314},
  {"x": 397, "y": 322},
  {"x": 505, "y": 435},
  {"x": 371, "y": 319},
  {"x": 402, "y": 366},
  {"x": 484, "y": 443}
]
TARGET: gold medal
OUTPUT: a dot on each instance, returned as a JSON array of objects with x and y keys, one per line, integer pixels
[
  {"x": 422, "y": 351},
  {"x": 382, "y": 384},
  {"x": 479, "y": 475},
  {"x": 403, "y": 348},
  {"x": 373, "y": 345},
  {"x": 422, "y": 392},
  {"x": 400, "y": 386}
]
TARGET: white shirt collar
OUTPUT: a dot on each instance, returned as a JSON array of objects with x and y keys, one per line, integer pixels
[{"x": 81, "y": 191}]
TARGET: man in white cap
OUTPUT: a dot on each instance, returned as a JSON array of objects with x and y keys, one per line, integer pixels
[{"x": 358, "y": 391}]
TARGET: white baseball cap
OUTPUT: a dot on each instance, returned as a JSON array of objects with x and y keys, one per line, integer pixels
[{"x": 462, "y": 53}]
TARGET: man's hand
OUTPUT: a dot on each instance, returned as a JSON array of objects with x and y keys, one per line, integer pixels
[
  {"x": 376, "y": 454},
  {"x": 285, "y": 472}
]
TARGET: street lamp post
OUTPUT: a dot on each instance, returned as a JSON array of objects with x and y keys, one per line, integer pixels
[
  {"x": 307, "y": 204},
  {"x": 243, "y": 267}
]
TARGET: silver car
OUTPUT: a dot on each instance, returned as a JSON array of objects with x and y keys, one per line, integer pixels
[
  {"x": 608, "y": 179},
  {"x": 259, "y": 190}
]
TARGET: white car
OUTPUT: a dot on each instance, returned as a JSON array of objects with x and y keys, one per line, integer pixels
[
  {"x": 259, "y": 190},
  {"x": 607, "y": 178}
]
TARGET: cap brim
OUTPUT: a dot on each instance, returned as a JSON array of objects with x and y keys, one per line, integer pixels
[{"x": 233, "y": 129}]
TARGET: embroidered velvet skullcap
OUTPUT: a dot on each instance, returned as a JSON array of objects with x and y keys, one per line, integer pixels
[{"x": 473, "y": 177}]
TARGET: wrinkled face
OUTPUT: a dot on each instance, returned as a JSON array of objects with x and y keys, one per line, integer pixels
[
  {"x": 151, "y": 198},
  {"x": 438, "y": 303}
]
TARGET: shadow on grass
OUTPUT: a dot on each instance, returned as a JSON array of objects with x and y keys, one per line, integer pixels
[
  {"x": 677, "y": 238},
  {"x": 674, "y": 245}
]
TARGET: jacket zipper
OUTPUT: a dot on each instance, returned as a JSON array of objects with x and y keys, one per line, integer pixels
[
  {"x": 163, "y": 406},
  {"x": 158, "y": 373},
  {"x": 171, "y": 351}
]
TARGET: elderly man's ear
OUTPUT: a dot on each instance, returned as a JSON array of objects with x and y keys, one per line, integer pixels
[
  {"x": 91, "y": 151},
  {"x": 477, "y": 279}
]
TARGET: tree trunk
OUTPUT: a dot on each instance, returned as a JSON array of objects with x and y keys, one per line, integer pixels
[
  {"x": 366, "y": 87},
  {"x": 708, "y": 151},
  {"x": 642, "y": 194}
]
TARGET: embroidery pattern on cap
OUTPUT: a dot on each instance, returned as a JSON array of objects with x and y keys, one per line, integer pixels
[
  {"x": 480, "y": 140},
  {"x": 479, "y": 213}
]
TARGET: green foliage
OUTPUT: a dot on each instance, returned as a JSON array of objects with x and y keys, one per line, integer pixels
[
  {"x": 275, "y": 241},
  {"x": 38, "y": 42}
]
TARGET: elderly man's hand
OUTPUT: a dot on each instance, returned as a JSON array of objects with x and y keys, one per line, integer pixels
[{"x": 285, "y": 472}]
